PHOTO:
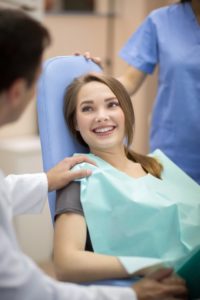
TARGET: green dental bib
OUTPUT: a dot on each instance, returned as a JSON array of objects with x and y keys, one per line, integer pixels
[{"x": 146, "y": 218}]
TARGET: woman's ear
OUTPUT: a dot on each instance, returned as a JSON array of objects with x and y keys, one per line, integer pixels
[{"x": 76, "y": 125}]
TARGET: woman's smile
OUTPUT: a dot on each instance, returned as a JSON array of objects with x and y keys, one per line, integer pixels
[{"x": 104, "y": 130}]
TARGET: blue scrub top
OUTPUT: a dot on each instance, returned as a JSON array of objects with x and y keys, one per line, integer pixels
[{"x": 170, "y": 37}]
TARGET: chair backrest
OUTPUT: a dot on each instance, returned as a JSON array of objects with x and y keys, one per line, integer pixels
[{"x": 56, "y": 141}]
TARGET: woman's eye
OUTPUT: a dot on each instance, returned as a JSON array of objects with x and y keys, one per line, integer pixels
[
  {"x": 86, "y": 109},
  {"x": 113, "y": 104}
]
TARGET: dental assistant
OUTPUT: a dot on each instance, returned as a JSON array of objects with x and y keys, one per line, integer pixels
[{"x": 170, "y": 38}]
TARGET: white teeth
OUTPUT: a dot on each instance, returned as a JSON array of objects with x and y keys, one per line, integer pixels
[{"x": 105, "y": 129}]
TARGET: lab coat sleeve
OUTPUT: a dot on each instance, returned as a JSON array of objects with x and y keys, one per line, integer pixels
[
  {"x": 26, "y": 193},
  {"x": 21, "y": 279}
]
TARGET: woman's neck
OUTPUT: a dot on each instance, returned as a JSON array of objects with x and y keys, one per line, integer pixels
[
  {"x": 117, "y": 158},
  {"x": 196, "y": 8}
]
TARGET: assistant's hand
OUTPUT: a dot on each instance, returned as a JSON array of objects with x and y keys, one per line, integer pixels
[
  {"x": 97, "y": 60},
  {"x": 161, "y": 284},
  {"x": 60, "y": 175}
]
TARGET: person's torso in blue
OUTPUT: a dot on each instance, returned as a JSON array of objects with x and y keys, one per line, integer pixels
[{"x": 170, "y": 37}]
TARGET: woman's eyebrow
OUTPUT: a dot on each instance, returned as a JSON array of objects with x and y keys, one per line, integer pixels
[
  {"x": 86, "y": 102},
  {"x": 91, "y": 101},
  {"x": 110, "y": 99}
]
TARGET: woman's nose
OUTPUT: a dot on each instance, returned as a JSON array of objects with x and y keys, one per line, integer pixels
[{"x": 102, "y": 118}]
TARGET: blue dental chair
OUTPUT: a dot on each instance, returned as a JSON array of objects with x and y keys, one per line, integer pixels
[{"x": 56, "y": 141}]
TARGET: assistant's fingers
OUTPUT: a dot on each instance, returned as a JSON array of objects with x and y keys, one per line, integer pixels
[
  {"x": 87, "y": 55},
  {"x": 97, "y": 60}
]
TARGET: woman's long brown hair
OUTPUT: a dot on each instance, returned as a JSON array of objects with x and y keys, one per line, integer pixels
[{"x": 149, "y": 164}]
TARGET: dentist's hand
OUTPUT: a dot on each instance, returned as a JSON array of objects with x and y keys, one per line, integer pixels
[
  {"x": 60, "y": 175},
  {"x": 161, "y": 284}
]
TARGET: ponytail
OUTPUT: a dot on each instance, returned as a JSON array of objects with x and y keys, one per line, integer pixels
[{"x": 149, "y": 164}]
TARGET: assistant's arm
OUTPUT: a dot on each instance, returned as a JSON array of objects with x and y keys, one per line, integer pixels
[
  {"x": 132, "y": 79},
  {"x": 141, "y": 53}
]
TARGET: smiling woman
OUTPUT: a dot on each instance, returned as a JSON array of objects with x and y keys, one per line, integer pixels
[
  {"x": 128, "y": 191},
  {"x": 99, "y": 114}
]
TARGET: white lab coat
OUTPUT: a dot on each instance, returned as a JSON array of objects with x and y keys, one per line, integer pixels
[{"x": 20, "y": 278}]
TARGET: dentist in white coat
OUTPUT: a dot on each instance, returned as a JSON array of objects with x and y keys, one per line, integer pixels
[{"x": 22, "y": 42}]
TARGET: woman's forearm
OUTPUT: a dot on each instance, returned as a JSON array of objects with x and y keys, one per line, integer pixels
[{"x": 83, "y": 266}]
